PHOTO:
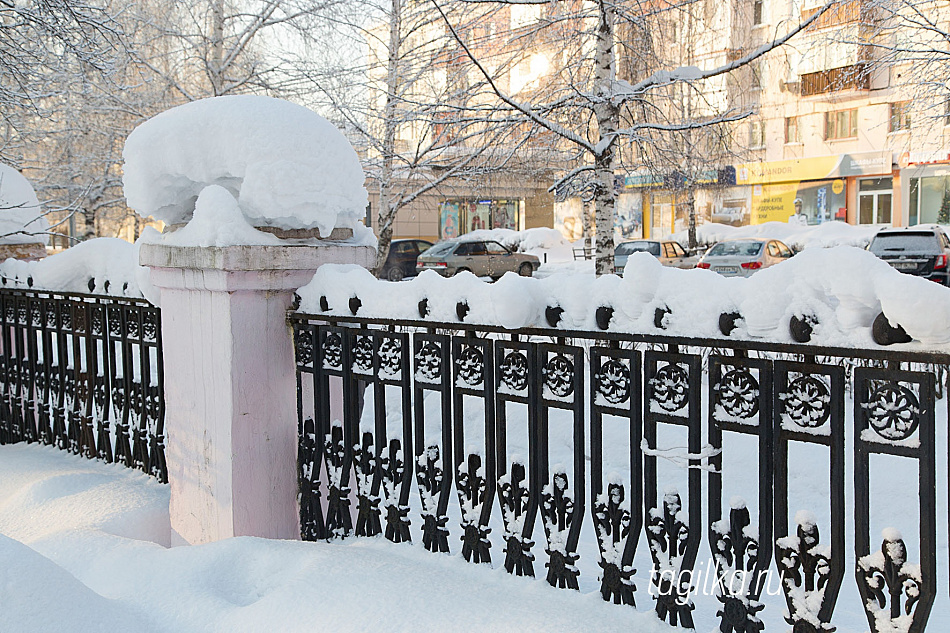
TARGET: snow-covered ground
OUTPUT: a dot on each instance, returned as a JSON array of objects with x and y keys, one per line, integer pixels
[{"x": 83, "y": 549}]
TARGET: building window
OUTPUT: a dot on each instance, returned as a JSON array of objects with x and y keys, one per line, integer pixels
[
  {"x": 756, "y": 134},
  {"x": 756, "y": 11},
  {"x": 758, "y": 72},
  {"x": 841, "y": 124},
  {"x": 793, "y": 131},
  {"x": 900, "y": 116}
]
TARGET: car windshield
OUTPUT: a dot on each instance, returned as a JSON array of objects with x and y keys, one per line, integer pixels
[
  {"x": 442, "y": 248},
  {"x": 909, "y": 242},
  {"x": 632, "y": 247},
  {"x": 736, "y": 249}
]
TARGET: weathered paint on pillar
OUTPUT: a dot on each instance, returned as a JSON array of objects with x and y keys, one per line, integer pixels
[{"x": 230, "y": 390}]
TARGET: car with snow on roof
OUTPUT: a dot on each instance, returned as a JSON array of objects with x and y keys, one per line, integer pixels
[
  {"x": 921, "y": 250},
  {"x": 669, "y": 252},
  {"x": 743, "y": 257},
  {"x": 484, "y": 258}
]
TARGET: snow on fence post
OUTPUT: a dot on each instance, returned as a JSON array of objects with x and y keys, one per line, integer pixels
[{"x": 214, "y": 170}]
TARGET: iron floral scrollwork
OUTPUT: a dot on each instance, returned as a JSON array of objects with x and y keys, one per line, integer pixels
[
  {"x": 736, "y": 554},
  {"x": 367, "y": 504},
  {"x": 339, "y": 523},
  {"x": 429, "y": 362},
  {"x": 806, "y": 402},
  {"x": 805, "y": 568},
  {"x": 363, "y": 354},
  {"x": 612, "y": 522},
  {"x": 393, "y": 468},
  {"x": 470, "y": 366},
  {"x": 514, "y": 497},
  {"x": 303, "y": 346},
  {"x": 668, "y": 537},
  {"x": 514, "y": 371},
  {"x": 149, "y": 325},
  {"x": 308, "y": 481},
  {"x": 893, "y": 411},
  {"x": 559, "y": 376},
  {"x": 557, "y": 512},
  {"x": 669, "y": 387},
  {"x": 390, "y": 358},
  {"x": 429, "y": 475},
  {"x": 471, "y": 490},
  {"x": 890, "y": 586},
  {"x": 737, "y": 394},
  {"x": 332, "y": 351},
  {"x": 612, "y": 381}
]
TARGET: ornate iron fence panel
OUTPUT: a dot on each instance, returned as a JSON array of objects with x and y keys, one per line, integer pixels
[
  {"x": 84, "y": 373},
  {"x": 602, "y": 389}
]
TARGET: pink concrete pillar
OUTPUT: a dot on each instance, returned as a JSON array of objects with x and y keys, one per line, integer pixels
[{"x": 230, "y": 391}]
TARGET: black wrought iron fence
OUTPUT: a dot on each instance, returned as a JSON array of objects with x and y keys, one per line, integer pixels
[
  {"x": 84, "y": 373},
  {"x": 782, "y": 398}
]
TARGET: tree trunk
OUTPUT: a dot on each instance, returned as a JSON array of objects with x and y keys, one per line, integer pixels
[
  {"x": 691, "y": 214},
  {"x": 216, "y": 60},
  {"x": 387, "y": 206},
  {"x": 608, "y": 120}
]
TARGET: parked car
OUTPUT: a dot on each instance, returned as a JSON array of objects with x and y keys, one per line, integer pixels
[
  {"x": 915, "y": 250},
  {"x": 742, "y": 257},
  {"x": 669, "y": 253},
  {"x": 401, "y": 261},
  {"x": 484, "y": 258}
]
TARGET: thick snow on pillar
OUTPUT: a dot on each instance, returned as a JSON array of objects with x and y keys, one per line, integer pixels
[
  {"x": 285, "y": 165},
  {"x": 222, "y": 167}
]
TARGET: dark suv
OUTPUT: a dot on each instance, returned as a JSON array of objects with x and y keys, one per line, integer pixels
[
  {"x": 916, "y": 250},
  {"x": 401, "y": 261}
]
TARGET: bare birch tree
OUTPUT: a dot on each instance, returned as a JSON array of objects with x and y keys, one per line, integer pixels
[
  {"x": 412, "y": 104},
  {"x": 593, "y": 111}
]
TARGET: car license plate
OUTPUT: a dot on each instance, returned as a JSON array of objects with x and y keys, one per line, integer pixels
[
  {"x": 727, "y": 270},
  {"x": 904, "y": 265}
]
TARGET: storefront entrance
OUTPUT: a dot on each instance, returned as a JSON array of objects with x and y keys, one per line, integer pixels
[{"x": 874, "y": 200}]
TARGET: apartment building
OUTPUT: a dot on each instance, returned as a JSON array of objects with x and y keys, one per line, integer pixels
[{"x": 838, "y": 129}]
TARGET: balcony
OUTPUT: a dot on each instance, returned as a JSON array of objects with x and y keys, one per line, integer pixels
[{"x": 853, "y": 77}]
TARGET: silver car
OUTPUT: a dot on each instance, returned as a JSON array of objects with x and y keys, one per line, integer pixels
[
  {"x": 742, "y": 257},
  {"x": 484, "y": 258},
  {"x": 669, "y": 253}
]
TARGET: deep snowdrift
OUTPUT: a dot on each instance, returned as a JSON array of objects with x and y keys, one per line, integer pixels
[
  {"x": 85, "y": 560},
  {"x": 842, "y": 288},
  {"x": 287, "y": 166}
]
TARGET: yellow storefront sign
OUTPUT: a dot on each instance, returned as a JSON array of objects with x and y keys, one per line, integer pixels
[
  {"x": 818, "y": 168},
  {"x": 773, "y": 203}
]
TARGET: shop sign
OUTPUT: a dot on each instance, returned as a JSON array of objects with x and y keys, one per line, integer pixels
[
  {"x": 819, "y": 168},
  {"x": 638, "y": 181},
  {"x": 925, "y": 157}
]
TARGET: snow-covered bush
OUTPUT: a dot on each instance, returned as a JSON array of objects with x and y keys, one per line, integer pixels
[
  {"x": 285, "y": 165},
  {"x": 840, "y": 290}
]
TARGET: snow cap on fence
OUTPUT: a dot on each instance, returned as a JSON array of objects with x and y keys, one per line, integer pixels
[
  {"x": 823, "y": 296},
  {"x": 105, "y": 265},
  {"x": 286, "y": 166},
  {"x": 21, "y": 216}
]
